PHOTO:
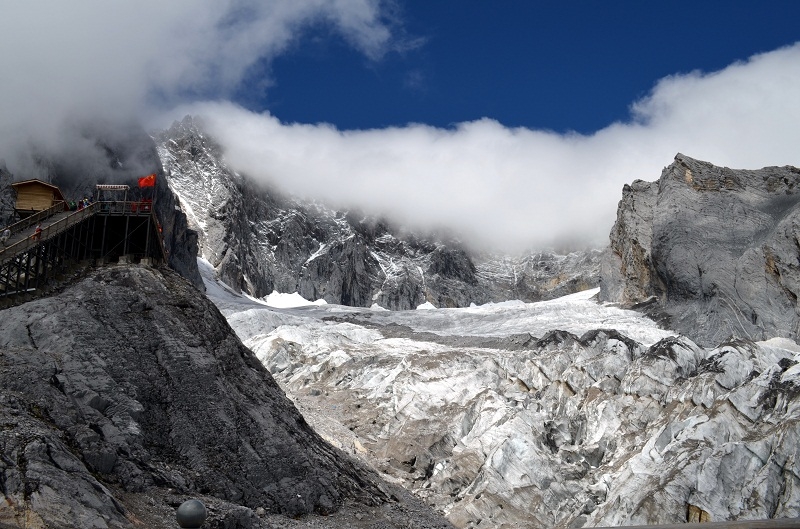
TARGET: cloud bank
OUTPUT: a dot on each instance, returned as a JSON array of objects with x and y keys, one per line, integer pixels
[
  {"x": 66, "y": 64},
  {"x": 515, "y": 187}
]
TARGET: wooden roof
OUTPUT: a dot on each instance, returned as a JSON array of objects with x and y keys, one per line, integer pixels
[{"x": 57, "y": 195}]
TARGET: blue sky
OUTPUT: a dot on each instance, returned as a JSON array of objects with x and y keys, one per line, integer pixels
[
  {"x": 554, "y": 65},
  {"x": 512, "y": 124}
]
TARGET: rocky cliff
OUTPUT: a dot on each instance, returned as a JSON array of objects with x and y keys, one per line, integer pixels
[
  {"x": 7, "y": 197},
  {"x": 715, "y": 250},
  {"x": 128, "y": 392},
  {"x": 259, "y": 241}
]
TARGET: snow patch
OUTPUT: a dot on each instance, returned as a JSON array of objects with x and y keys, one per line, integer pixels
[
  {"x": 514, "y": 303},
  {"x": 578, "y": 296},
  {"x": 320, "y": 251},
  {"x": 781, "y": 343},
  {"x": 288, "y": 301}
]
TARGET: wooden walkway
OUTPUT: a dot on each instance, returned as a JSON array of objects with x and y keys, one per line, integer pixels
[{"x": 100, "y": 233}]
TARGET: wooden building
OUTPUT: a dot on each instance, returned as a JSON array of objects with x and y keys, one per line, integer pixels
[{"x": 34, "y": 196}]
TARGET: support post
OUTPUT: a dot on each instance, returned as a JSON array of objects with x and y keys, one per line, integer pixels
[
  {"x": 27, "y": 269},
  {"x": 127, "y": 234}
]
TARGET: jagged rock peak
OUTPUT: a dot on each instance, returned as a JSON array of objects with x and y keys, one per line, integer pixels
[
  {"x": 716, "y": 247},
  {"x": 259, "y": 240}
]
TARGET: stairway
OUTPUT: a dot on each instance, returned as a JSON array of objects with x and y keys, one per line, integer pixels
[
  {"x": 103, "y": 232},
  {"x": 28, "y": 259},
  {"x": 53, "y": 222}
]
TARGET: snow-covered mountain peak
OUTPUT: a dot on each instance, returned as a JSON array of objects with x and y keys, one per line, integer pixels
[{"x": 260, "y": 241}]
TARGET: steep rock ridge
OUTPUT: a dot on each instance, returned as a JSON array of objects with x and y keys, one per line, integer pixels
[
  {"x": 180, "y": 240},
  {"x": 129, "y": 390},
  {"x": 716, "y": 247},
  {"x": 565, "y": 428},
  {"x": 259, "y": 241}
]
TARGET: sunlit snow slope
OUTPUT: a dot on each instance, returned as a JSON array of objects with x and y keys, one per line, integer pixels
[{"x": 564, "y": 413}]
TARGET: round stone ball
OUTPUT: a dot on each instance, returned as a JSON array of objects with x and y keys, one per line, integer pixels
[{"x": 191, "y": 514}]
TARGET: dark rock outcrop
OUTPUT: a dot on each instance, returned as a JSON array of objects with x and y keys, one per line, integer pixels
[
  {"x": 717, "y": 248},
  {"x": 259, "y": 241},
  {"x": 7, "y": 198},
  {"x": 180, "y": 241},
  {"x": 130, "y": 385}
]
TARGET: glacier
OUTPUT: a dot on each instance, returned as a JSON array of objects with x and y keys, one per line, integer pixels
[
  {"x": 557, "y": 410},
  {"x": 562, "y": 413}
]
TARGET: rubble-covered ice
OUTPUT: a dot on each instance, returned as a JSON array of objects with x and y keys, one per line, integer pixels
[{"x": 563, "y": 413}]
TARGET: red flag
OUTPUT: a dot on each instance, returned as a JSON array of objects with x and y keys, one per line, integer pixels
[{"x": 147, "y": 181}]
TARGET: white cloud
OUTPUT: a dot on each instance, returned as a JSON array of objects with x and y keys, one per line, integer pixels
[
  {"x": 519, "y": 187},
  {"x": 94, "y": 58},
  {"x": 89, "y": 59}
]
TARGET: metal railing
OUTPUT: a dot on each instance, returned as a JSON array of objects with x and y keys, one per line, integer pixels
[
  {"x": 47, "y": 232},
  {"x": 37, "y": 217},
  {"x": 35, "y": 256},
  {"x": 124, "y": 207}
]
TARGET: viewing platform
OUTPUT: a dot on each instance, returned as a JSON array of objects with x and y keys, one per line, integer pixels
[{"x": 46, "y": 243}]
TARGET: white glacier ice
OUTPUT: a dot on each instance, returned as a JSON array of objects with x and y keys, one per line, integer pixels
[{"x": 554, "y": 414}]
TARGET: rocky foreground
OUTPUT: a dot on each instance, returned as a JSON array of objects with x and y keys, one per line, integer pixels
[{"x": 128, "y": 393}]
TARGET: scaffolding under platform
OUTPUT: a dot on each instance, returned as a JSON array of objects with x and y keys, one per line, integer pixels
[{"x": 103, "y": 232}]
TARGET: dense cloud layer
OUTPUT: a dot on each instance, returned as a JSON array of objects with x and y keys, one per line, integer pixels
[
  {"x": 518, "y": 187},
  {"x": 68, "y": 63}
]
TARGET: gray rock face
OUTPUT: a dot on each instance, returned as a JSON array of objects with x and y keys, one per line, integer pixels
[
  {"x": 716, "y": 247},
  {"x": 180, "y": 240},
  {"x": 540, "y": 276},
  {"x": 6, "y": 197},
  {"x": 131, "y": 384},
  {"x": 259, "y": 241}
]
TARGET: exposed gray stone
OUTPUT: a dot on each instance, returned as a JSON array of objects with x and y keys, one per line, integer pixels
[
  {"x": 7, "y": 197},
  {"x": 259, "y": 240},
  {"x": 130, "y": 384},
  {"x": 718, "y": 248}
]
